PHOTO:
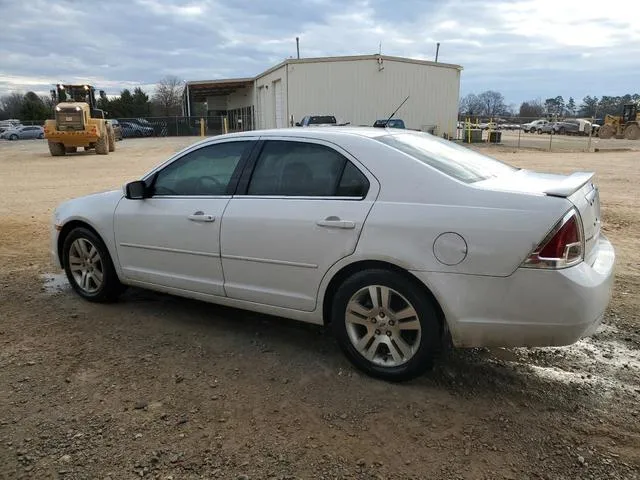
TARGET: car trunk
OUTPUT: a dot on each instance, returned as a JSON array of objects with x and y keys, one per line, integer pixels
[{"x": 578, "y": 188}]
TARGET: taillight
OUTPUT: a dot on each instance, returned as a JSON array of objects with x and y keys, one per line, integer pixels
[{"x": 562, "y": 247}]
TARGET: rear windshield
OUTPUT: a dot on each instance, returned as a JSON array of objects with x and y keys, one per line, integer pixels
[
  {"x": 451, "y": 159},
  {"x": 322, "y": 119}
]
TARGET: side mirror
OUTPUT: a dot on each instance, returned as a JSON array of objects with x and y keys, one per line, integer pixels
[
  {"x": 298, "y": 124},
  {"x": 135, "y": 190}
]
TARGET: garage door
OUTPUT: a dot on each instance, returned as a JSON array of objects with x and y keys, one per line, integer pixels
[{"x": 279, "y": 110}]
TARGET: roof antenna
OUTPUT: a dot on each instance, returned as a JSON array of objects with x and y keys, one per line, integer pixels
[
  {"x": 298, "y": 46},
  {"x": 437, "y": 51},
  {"x": 395, "y": 111}
]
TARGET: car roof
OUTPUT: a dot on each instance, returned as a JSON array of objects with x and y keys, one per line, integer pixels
[{"x": 317, "y": 132}]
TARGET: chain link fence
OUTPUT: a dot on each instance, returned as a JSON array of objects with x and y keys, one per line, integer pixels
[
  {"x": 518, "y": 133},
  {"x": 539, "y": 133},
  {"x": 175, "y": 126},
  {"x": 553, "y": 134}
]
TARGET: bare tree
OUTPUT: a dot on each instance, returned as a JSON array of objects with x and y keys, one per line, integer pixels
[
  {"x": 493, "y": 103},
  {"x": 471, "y": 105},
  {"x": 532, "y": 109},
  {"x": 167, "y": 97}
]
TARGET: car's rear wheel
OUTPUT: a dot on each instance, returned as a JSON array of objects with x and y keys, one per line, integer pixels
[
  {"x": 13, "y": 137},
  {"x": 88, "y": 266},
  {"x": 386, "y": 325}
]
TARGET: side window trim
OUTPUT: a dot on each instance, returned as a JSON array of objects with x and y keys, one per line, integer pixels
[
  {"x": 249, "y": 168},
  {"x": 150, "y": 179}
]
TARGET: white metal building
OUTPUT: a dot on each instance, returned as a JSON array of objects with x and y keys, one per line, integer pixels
[{"x": 356, "y": 89}]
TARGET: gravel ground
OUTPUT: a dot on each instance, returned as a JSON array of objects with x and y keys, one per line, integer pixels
[{"x": 161, "y": 387}]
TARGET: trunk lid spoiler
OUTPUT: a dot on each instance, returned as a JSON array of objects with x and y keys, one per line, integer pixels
[{"x": 569, "y": 185}]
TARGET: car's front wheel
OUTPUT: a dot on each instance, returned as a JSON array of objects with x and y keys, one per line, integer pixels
[
  {"x": 88, "y": 266},
  {"x": 386, "y": 325}
]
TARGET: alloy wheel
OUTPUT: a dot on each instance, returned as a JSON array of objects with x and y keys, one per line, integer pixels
[
  {"x": 86, "y": 265},
  {"x": 383, "y": 326}
]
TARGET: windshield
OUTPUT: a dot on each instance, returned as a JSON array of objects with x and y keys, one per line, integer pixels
[{"x": 449, "y": 158}]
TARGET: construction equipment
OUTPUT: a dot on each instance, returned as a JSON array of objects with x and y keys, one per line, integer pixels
[
  {"x": 78, "y": 122},
  {"x": 626, "y": 125}
]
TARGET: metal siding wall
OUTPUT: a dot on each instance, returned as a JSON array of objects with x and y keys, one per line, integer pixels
[
  {"x": 267, "y": 103},
  {"x": 358, "y": 92}
]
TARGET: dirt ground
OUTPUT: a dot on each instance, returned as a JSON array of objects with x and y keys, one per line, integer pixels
[{"x": 161, "y": 387}]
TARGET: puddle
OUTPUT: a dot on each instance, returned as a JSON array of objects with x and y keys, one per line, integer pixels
[{"x": 55, "y": 283}]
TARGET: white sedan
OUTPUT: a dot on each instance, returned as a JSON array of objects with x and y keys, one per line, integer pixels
[{"x": 397, "y": 239}]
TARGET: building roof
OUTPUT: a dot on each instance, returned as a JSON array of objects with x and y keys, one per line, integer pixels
[
  {"x": 201, "y": 89},
  {"x": 352, "y": 58}
]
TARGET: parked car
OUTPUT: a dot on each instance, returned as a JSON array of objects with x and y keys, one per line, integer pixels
[
  {"x": 23, "y": 132},
  {"x": 117, "y": 129},
  {"x": 317, "y": 120},
  {"x": 488, "y": 126},
  {"x": 397, "y": 239},
  {"x": 547, "y": 128},
  {"x": 567, "y": 127},
  {"x": 535, "y": 126},
  {"x": 133, "y": 129},
  {"x": 390, "y": 123}
]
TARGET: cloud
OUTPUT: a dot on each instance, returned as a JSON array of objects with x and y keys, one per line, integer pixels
[{"x": 523, "y": 48}]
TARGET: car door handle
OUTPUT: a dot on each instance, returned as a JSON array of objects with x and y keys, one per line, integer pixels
[
  {"x": 335, "y": 222},
  {"x": 201, "y": 217}
]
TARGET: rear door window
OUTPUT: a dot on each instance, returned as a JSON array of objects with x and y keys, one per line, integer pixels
[{"x": 303, "y": 169}]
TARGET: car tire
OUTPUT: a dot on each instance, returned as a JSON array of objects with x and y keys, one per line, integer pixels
[
  {"x": 383, "y": 345},
  {"x": 13, "y": 137},
  {"x": 89, "y": 268},
  {"x": 41, "y": 136}
]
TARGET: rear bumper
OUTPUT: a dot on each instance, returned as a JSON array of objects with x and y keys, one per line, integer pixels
[
  {"x": 530, "y": 307},
  {"x": 79, "y": 138}
]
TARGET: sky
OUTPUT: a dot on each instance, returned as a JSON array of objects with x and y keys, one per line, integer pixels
[{"x": 525, "y": 49}]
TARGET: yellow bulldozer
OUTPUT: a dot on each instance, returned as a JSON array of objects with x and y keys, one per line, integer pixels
[
  {"x": 78, "y": 122},
  {"x": 626, "y": 125}
]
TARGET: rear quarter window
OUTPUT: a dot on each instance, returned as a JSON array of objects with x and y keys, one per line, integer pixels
[{"x": 456, "y": 161}]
